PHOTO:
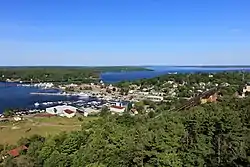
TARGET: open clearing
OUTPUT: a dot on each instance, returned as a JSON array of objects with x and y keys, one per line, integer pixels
[{"x": 11, "y": 132}]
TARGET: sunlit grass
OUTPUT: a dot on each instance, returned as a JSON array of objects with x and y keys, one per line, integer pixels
[{"x": 11, "y": 132}]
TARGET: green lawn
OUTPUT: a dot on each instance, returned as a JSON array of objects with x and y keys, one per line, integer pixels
[{"x": 11, "y": 132}]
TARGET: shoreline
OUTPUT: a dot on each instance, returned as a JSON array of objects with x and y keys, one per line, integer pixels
[{"x": 50, "y": 94}]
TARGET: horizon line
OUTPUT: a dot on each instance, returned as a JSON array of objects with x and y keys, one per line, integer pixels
[{"x": 209, "y": 65}]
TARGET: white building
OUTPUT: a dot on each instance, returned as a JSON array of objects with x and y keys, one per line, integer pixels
[
  {"x": 117, "y": 109},
  {"x": 71, "y": 85},
  {"x": 63, "y": 111},
  {"x": 17, "y": 118},
  {"x": 131, "y": 91},
  {"x": 85, "y": 114},
  {"x": 155, "y": 98}
]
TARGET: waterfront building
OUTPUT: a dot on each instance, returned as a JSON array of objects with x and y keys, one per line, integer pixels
[
  {"x": 62, "y": 110},
  {"x": 117, "y": 109},
  {"x": 155, "y": 98}
]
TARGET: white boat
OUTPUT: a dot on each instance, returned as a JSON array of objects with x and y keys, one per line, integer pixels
[
  {"x": 83, "y": 95},
  {"x": 36, "y": 104}
]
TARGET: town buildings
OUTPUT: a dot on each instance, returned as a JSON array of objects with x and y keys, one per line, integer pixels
[{"x": 155, "y": 98}]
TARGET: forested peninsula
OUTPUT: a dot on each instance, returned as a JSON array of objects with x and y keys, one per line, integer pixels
[{"x": 60, "y": 74}]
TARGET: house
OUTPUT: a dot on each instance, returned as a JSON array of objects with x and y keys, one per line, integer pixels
[
  {"x": 246, "y": 88},
  {"x": 134, "y": 111},
  {"x": 117, "y": 109},
  {"x": 63, "y": 111},
  {"x": 131, "y": 91},
  {"x": 17, "y": 118},
  {"x": 209, "y": 99},
  {"x": 245, "y": 91},
  {"x": 155, "y": 98},
  {"x": 85, "y": 114},
  {"x": 207, "y": 96},
  {"x": 16, "y": 152},
  {"x": 91, "y": 111},
  {"x": 72, "y": 85}
]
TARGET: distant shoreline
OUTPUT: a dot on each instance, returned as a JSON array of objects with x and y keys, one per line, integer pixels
[
  {"x": 129, "y": 67},
  {"x": 206, "y": 66},
  {"x": 222, "y": 66}
]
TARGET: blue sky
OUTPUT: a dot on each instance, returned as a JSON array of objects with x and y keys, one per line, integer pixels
[{"x": 124, "y": 32}]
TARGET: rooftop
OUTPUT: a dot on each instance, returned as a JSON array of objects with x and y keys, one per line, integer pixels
[
  {"x": 69, "y": 111},
  {"x": 16, "y": 152},
  {"x": 117, "y": 107}
]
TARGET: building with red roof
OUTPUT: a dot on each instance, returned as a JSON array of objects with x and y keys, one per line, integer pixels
[
  {"x": 62, "y": 110},
  {"x": 68, "y": 111},
  {"x": 16, "y": 152},
  {"x": 117, "y": 109}
]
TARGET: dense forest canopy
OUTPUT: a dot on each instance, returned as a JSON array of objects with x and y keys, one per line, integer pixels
[{"x": 215, "y": 134}]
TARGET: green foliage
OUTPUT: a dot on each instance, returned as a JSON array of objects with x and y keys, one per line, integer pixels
[
  {"x": 1, "y": 148},
  {"x": 104, "y": 111},
  {"x": 31, "y": 139},
  {"x": 80, "y": 119},
  {"x": 139, "y": 106},
  {"x": 215, "y": 134},
  {"x": 129, "y": 107},
  {"x": 21, "y": 161},
  {"x": 57, "y": 159},
  {"x": 8, "y": 113}
]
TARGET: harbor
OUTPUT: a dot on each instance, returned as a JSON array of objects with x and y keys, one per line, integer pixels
[{"x": 23, "y": 95}]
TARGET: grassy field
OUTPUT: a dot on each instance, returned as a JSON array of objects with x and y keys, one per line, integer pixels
[{"x": 11, "y": 132}]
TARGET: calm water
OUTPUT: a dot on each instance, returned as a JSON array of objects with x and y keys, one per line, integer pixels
[
  {"x": 12, "y": 96},
  {"x": 160, "y": 70}
]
